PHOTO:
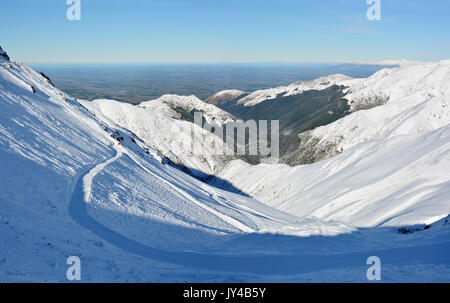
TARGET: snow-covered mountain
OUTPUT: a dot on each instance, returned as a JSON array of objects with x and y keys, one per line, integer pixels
[
  {"x": 416, "y": 98},
  {"x": 167, "y": 123},
  {"x": 293, "y": 89},
  {"x": 393, "y": 161},
  {"x": 300, "y": 107},
  {"x": 224, "y": 96},
  {"x": 391, "y": 63},
  {"x": 162, "y": 127},
  {"x": 76, "y": 183},
  {"x": 299, "y": 87},
  {"x": 168, "y": 104}
]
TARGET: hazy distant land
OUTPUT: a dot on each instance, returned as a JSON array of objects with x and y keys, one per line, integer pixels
[{"x": 135, "y": 83}]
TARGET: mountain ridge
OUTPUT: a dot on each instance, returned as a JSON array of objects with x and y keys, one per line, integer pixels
[{"x": 75, "y": 183}]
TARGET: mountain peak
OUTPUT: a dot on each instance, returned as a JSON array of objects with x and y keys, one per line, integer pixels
[
  {"x": 224, "y": 96},
  {"x": 3, "y": 55}
]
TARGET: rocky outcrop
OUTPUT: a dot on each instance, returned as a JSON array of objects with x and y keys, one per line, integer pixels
[
  {"x": 47, "y": 78},
  {"x": 312, "y": 149},
  {"x": 3, "y": 55}
]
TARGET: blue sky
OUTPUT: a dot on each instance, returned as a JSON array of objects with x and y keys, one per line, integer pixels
[{"x": 224, "y": 31}]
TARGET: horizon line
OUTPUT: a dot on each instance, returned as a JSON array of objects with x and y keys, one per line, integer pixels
[
  {"x": 387, "y": 62},
  {"x": 213, "y": 62}
]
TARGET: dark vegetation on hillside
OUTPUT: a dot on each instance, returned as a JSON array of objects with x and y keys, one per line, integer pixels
[{"x": 296, "y": 114}]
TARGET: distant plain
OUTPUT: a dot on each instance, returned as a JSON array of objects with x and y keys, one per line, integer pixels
[{"x": 135, "y": 83}]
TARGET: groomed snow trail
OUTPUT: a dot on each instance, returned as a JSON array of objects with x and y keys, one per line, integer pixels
[
  {"x": 186, "y": 195},
  {"x": 273, "y": 264},
  {"x": 87, "y": 179}
]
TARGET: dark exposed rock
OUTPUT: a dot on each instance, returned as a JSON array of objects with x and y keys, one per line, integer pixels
[
  {"x": 311, "y": 149},
  {"x": 48, "y": 78},
  {"x": 403, "y": 230},
  {"x": 369, "y": 102},
  {"x": 3, "y": 55}
]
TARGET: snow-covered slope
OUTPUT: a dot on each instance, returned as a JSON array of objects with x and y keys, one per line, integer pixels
[
  {"x": 293, "y": 89},
  {"x": 391, "y": 182},
  {"x": 159, "y": 126},
  {"x": 166, "y": 124},
  {"x": 357, "y": 85},
  {"x": 168, "y": 103},
  {"x": 393, "y": 63},
  {"x": 224, "y": 96},
  {"x": 417, "y": 100},
  {"x": 50, "y": 129},
  {"x": 395, "y": 157},
  {"x": 74, "y": 183}
]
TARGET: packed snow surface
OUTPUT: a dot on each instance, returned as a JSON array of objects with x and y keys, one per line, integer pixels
[{"x": 393, "y": 163}]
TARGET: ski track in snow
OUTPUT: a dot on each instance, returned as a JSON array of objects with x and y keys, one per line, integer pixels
[
  {"x": 255, "y": 264},
  {"x": 33, "y": 123},
  {"x": 89, "y": 177},
  {"x": 176, "y": 190}
]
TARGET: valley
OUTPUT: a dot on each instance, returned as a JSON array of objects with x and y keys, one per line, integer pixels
[{"x": 101, "y": 180}]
